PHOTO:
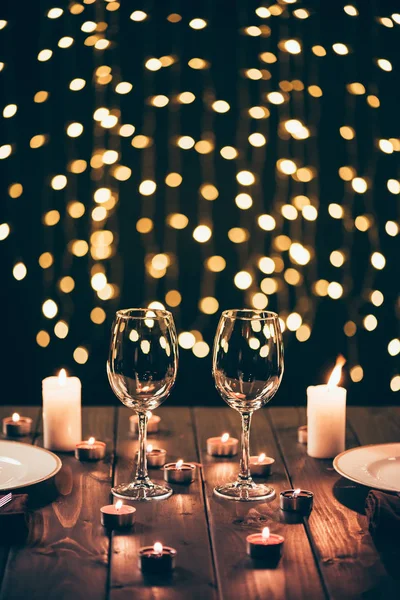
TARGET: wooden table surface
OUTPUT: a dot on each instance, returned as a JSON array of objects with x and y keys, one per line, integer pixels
[{"x": 68, "y": 554}]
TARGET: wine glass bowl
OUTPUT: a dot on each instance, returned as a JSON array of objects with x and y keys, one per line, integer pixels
[
  {"x": 141, "y": 369},
  {"x": 247, "y": 369}
]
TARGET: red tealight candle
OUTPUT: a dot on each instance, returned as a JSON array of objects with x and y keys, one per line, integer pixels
[
  {"x": 157, "y": 559},
  {"x": 266, "y": 547},
  {"x": 222, "y": 446},
  {"x": 17, "y": 426},
  {"x": 260, "y": 466},
  {"x": 92, "y": 449},
  {"x": 117, "y": 516}
]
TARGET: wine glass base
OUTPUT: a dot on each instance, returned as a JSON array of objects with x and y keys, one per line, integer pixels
[
  {"x": 142, "y": 491},
  {"x": 245, "y": 492}
]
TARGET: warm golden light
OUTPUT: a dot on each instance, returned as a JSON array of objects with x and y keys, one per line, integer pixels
[
  {"x": 261, "y": 457},
  {"x": 158, "y": 548},
  {"x": 179, "y": 464},
  {"x": 265, "y": 534},
  {"x": 15, "y": 417},
  {"x": 224, "y": 437},
  {"x": 118, "y": 505},
  {"x": 336, "y": 374},
  {"x": 62, "y": 377},
  {"x": 91, "y": 441}
]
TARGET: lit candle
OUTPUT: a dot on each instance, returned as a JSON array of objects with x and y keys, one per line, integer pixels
[
  {"x": 222, "y": 446},
  {"x": 117, "y": 516},
  {"x": 62, "y": 429},
  {"x": 260, "y": 466},
  {"x": 266, "y": 547},
  {"x": 156, "y": 457},
  {"x": 179, "y": 472},
  {"x": 302, "y": 434},
  {"x": 90, "y": 450},
  {"x": 153, "y": 423},
  {"x": 326, "y": 415},
  {"x": 157, "y": 559},
  {"x": 16, "y": 425},
  {"x": 296, "y": 501}
]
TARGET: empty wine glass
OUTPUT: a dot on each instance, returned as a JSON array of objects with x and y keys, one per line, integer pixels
[
  {"x": 247, "y": 368},
  {"x": 141, "y": 369}
]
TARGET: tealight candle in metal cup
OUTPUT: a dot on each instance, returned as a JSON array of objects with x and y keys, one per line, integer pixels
[
  {"x": 117, "y": 516},
  {"x": 157, "y": 560},
  {"x": 260, "y": 466},
  {"x": 222, "y": 446},
  {"x": 302, "y": 434},
  {"x": 297, "y": 500},
  {"x": 156, "y": 457},
  {"x": 17, "y": 426},
  {"x": 179, "y": 472},
  {"x": 153, "y": 423},
  {"x": 266, "y": 547},
  {"x": 91, "y": 450}
]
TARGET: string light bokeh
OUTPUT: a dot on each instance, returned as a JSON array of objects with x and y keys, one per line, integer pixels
[{"x": 200, "y": 158}]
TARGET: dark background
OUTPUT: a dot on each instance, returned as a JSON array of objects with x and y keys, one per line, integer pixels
[{"x": 229, "y": 51}]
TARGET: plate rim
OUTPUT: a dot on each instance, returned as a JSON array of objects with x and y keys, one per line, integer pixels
[
  {"x": 342, "y": 474},
  {"x": 54, "y": 472}
]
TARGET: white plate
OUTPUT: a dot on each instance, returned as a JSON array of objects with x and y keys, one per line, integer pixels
[
  {"x": 377, "y": 466},
  {"x": 22, "y": 465}
]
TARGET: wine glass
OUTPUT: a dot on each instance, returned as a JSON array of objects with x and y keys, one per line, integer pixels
[
  {"x": 141, "y": 369},
  {"x": 247, "y": 368}
]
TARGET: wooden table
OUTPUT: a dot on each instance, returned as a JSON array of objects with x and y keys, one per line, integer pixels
[{"x": 68, "y": 555}]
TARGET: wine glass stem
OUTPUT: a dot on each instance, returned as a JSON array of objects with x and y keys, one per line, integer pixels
[
  {"x": 244, "y": 475},
  {"x": 141, "y": 469}
]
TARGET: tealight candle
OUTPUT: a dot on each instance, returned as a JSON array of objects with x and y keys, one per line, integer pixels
[
  {"x": 117, "y": 516},
  {"x": 156, "y": 457},
  {"x": 222, "y": 446},
  {"x": 90, "y": 450},
  {"x": 157, "y": 559},
  {"x": 302, "y": 434},
  {"x": 265, "y": 546},
  {"x": 62, "y": 429},
  {"x": 16, "y": 425},
  {"x": 179, "y": 472},
  {"x": 296, "y": 501},
  {"x": 153, "y": 423},
  {"x": 260, "y": 466},
  {"x": 326, "y": 415}
]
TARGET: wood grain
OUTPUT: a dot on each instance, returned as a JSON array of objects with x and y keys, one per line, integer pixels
[
  {"x": 349, "y": 562},
  {"x": 230, "y": 522},
  {"x": 34, "y": 414},
  {"x": 66, "y": 554},
  {"x": 179, "y": 521},
  {"x": 375, "y": 425}
]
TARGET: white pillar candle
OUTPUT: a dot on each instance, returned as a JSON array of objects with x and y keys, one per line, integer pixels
[
  {"x": 326, "y": 416},
  {"x": 62, "y": 425}
]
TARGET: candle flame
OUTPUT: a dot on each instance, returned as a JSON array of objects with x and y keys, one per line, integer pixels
[
  {"x": 296, "y": 492},
  {"x": 336, "y": 374},
  {"x": 62, "y": 377},
  {"x": 118, "y": 505},
  {"x": 224, "y": 437},
  {"x": 149, "y": 414},
  {"x": 158, "y": 548},
  {"x": 149, "y": 447},
  {"x": 261, "y": 458},
  {"x": 15, "y": 417},
  {"x": 91, "y": 441},
  {"x": 179, "y": 464},
  {"x": 265, "y": 534}
]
